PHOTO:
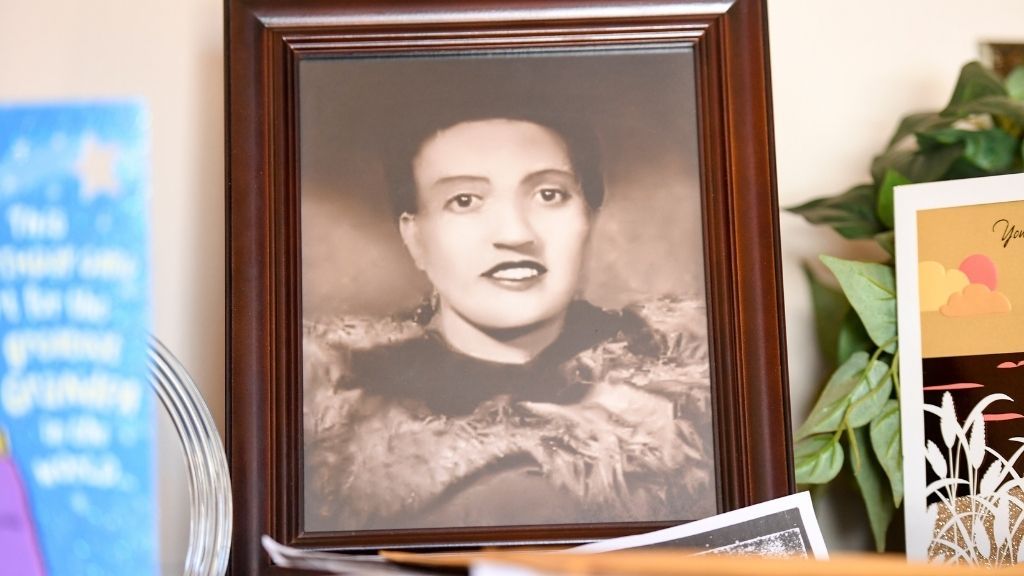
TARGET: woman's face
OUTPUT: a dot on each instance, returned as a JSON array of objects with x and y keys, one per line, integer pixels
[{"x": 501, "y": 226}]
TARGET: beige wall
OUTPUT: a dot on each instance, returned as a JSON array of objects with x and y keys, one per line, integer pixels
[{"x": 843, "y": 72}]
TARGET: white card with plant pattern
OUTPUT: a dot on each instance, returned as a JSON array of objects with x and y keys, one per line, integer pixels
[{"x": 960, "y": 288}]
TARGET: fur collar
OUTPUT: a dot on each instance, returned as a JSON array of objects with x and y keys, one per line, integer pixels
[{"x": 626, "y": 435}]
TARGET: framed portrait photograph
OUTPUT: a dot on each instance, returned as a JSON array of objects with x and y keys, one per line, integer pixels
[
  {"x": 961, "y": 292},
  {"x": 501, "y": 273}
]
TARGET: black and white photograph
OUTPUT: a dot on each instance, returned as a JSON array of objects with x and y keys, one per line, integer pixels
[
  {"x": 503, "y": 297},
  {"x": 785, "y": 527}
]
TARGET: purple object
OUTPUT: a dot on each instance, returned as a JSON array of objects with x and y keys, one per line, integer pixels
[{"x": 19, "y": 547}]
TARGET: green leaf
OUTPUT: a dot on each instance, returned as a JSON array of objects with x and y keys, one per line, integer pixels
[
  {"x": 887, "y": 441},
  {"x": 934, "y": 139},
  {"x": 865, "y": 408},
  {"x": 885, "y": 203},
  {"x": 848, "y": 384},
  {"x": 852, "y": 213},
  {"x": 830, "y": 306},
  {"x": 1002, "y": 106},
  {"x": 964, "y": 169},
  {"x": 991, "y": 150},
  {"x": 915, "y": 123},
  {"x": 887, "y": 240},
  {"x": 871, "y": 480},
  {"x": 975, "y": 82},
  {"x": 852, "y": 337},
  {"x": 871, "y": 289},
  {"x": 1015, "y": 83},
  {"x": 917, "y": 165},
  {"x": 817, "y": 459}
]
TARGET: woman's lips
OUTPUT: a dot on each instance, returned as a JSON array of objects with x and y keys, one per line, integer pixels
[{"x": 518, "y": 271}]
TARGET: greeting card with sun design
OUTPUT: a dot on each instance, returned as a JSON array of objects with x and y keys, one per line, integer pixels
[{"x": 961, "y": 297}]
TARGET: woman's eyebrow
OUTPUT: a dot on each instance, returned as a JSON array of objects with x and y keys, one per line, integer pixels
[
  {"x": 447, "y": 181},
  {"x": 550, "y": 173}
]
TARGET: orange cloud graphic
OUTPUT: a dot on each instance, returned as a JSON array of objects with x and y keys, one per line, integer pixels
[
  {"x": 936, "y": 284},
  {"x": 976, "y": 300}
]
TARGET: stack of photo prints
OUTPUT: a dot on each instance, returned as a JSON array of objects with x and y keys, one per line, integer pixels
[{"x": 782, "y": 528}]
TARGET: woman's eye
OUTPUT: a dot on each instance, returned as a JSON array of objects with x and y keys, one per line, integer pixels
[
  {"x": 461, "y": 202},
  {"x": 552, "y": 195}
]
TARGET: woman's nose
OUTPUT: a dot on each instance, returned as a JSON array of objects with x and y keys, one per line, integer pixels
[{"x": 513, "y": 227}]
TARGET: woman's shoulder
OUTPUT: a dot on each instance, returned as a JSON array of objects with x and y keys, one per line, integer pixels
[
  {"x": 660, "y": 345},
  {"x": 360, "y": 332},
  {"x": 329, "y": 343}
]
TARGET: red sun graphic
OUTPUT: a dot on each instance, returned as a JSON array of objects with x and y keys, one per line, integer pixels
[{"x": 980, "y": 269}]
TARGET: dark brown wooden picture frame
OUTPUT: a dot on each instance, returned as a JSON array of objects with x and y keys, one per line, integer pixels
[{"x": 266, "y": 41}]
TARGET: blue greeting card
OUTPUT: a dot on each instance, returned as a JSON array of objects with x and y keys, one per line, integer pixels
[{"x": 77, "y": 492}]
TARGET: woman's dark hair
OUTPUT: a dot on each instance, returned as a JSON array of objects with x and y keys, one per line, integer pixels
[{"x": 401, "y": 150}]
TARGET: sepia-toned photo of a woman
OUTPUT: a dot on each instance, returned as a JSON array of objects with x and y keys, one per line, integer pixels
[{"x": 505, "y": 397}]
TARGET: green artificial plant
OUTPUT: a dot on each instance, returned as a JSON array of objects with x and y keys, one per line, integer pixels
[{"x": 856, "y": 420}]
